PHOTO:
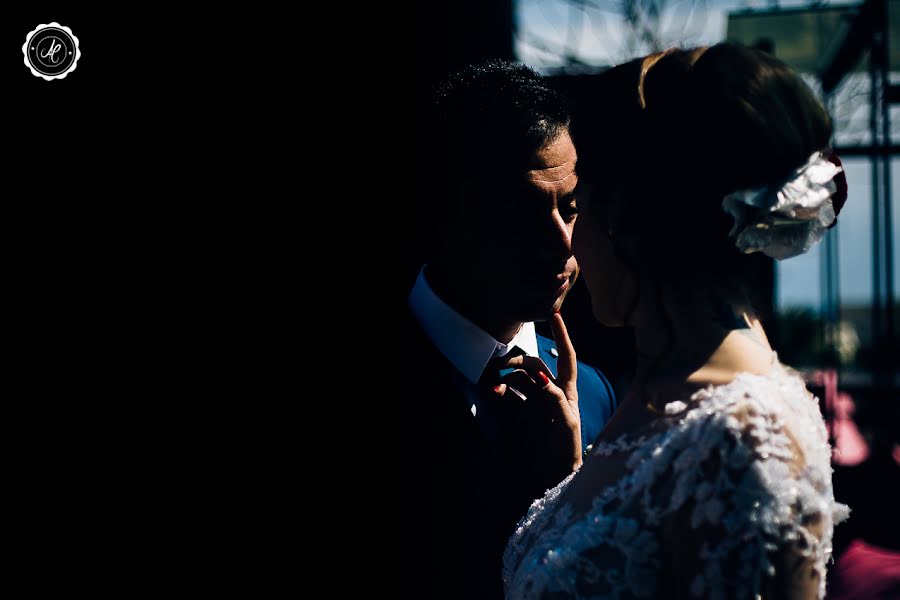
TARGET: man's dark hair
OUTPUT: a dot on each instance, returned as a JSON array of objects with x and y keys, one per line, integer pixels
[{"x": 491, "y": 118}]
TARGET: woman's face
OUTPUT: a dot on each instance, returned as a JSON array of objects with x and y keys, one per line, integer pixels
[{"x": 612, "y": 284}]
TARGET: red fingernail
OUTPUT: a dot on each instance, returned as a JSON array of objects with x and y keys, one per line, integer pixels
[
  {"x": 497, "y": 389},
  {"x": 545, "y": 381},
  {"x": 556, "y": 310}
]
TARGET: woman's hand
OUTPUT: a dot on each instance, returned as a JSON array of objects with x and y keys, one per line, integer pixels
[{"x": 540, "y": 417}]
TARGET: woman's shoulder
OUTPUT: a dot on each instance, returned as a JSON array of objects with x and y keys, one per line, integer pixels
[
  {"x": 761, "y": 416},
  {"x": 752, "y": 411},
  {"x": 769, "y": 391},
  {"x": 780, "y": 394}
]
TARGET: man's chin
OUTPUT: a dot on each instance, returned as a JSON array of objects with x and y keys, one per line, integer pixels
[{"x": 542, "y": 311}]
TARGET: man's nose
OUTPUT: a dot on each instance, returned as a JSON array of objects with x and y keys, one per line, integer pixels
[{"x": 558, "y": 236}]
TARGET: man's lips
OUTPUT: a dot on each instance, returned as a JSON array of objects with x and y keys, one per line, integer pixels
[
  {"x": 562, "y": 282},
  {"x": 553, "y": 285}
]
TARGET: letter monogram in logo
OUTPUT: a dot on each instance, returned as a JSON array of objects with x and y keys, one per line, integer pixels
[{"x": 51, "y": 51}]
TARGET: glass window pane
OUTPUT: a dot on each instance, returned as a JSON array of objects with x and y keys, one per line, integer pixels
[
  {"x": 797, "y": 282},
  {"x": 854, "y": 233}
]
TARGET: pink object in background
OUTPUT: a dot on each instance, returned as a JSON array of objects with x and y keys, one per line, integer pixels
[
  {"x": 864, "y": 571},
  {"x": 850, "y": 447}
]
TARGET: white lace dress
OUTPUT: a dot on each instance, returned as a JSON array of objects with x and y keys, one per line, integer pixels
[{"x": 727, "y": 495}]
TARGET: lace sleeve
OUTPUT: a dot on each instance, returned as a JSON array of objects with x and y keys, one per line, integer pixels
[{"x": 760, "y": 520}]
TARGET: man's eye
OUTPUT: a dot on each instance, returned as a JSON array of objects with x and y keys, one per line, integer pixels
[{"x": 569, "y": 210}]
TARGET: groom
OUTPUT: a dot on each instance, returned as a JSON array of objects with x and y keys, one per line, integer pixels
[{"x": 500, "y": 214}]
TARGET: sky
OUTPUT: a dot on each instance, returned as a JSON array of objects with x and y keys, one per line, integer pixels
[
  {"x": 545, "y": 26},
  {"x": 601, "y": 38}
]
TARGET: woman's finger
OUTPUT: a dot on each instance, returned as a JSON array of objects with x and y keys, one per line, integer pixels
[
  {"x": 544, "y": 397},
  {"x": 567, "y": 364},
  {"x": 521, "y": 382},
  {"x": 532, "y": 364}
]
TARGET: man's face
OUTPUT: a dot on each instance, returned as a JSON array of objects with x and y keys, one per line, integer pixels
[{"x": 514, "y": 247}]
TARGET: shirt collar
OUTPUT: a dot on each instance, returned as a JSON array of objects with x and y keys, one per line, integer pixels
[{"x": 464, "y": 344}]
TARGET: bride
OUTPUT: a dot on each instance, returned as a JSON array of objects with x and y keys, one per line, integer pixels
[{"x": 713, "y": 479}]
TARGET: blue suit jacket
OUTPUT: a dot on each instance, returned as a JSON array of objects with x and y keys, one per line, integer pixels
[
  {"x": 596, "y": 400},
  {"x": 472, "y": 501}
]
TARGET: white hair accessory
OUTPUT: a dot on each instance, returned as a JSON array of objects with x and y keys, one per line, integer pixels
[{"x": 786, "y": 219}]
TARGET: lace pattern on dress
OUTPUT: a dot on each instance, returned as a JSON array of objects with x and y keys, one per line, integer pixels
[{"x": 728, "y": 461}]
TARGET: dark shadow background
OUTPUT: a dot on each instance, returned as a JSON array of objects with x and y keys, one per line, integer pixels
[{"x": 78, "y": 298}]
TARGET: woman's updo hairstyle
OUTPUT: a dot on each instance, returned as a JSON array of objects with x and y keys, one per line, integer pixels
[{"x": 679, "y": 130}]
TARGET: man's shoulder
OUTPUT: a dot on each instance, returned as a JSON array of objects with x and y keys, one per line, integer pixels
[
  {"x": 548, "y": 346},
  {"x": 418, "y": 356},
  {"x": 417, "y": 346},
  {"x": 549, "y": 354},
  {"x": 596, "y": 397}
]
